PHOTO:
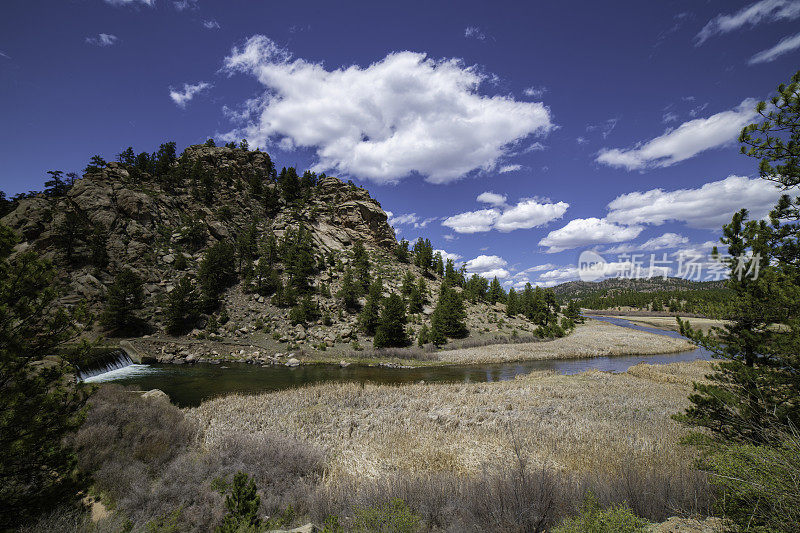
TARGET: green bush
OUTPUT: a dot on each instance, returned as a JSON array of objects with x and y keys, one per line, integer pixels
[
  {"x": 758, "y": 484},
  {"x": 391, "y": 517},
  {"x": 594, "y": 519}
]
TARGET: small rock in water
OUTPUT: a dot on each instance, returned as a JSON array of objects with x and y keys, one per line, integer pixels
[{"x": 292, "y": 362}]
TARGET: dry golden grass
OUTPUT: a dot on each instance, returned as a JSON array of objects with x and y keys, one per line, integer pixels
[
  {"x": 594, "y": 422},
  {"x": 592, "y": 339},
  {"x": 669, "y": 322}
]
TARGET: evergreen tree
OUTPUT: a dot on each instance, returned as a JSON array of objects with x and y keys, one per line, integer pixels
[
  {"x": 370, "y": 314},
  {"x": 424, "y": 336},
  {"x": 56, "y": 186},
  {"x": 96, "y": 163},
  {"x": 361, "y": 267},
  {"x": 401, "y": 251},
  {"x": 423, "y": 255},
  {"x": 409, "y": 284},
  {"x": 512, "y": 303},
  {"x": 216, "y": 273},
  {"x": 265, "y": 280},
  {"x": 182, "y": 307},
  {"x": 418, "y": 297},
  {"x": 242, "y": 504},
  {"x": 573, "y": 312},
  {"x": 449, "y": 317},
  {"x": 289, "y": 184},
  {"x": 348, "y": 294},
  {"x": 70, "y": 232},
  {"x": 496, "y": 292},
  {"x": 451, "y": 276},
  {"x": 391, "y": 331},
  {"x": 475, "y": 288},
  {"x": 747, "y": 409},
  {"x": 125, "y": 296},
  {"x": 438, "y": 264},
  {"x": 39, "y": 406}
]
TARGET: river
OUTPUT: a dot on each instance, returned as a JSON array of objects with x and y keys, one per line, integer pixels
[{"x": 189, "y": 385}]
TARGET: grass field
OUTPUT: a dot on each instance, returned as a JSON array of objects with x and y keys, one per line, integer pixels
[{"x": 592, "y": 422}]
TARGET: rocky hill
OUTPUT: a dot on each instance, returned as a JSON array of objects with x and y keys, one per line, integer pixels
[
  {"x": 608, "y": 287},
  {"x": 159, "y": 216}
]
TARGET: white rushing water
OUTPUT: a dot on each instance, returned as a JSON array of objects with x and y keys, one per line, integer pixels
[{"x": 130, "y": 371}]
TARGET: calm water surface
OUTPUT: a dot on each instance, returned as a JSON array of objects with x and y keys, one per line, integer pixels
[{"x": 189, "y": 385}]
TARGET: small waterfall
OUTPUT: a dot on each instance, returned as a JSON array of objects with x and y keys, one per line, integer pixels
[{"x": 105, "y": 362}]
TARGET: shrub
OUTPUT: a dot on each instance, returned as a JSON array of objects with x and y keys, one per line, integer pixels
[
  {"x": 594, "y": 519},
  {"x": 391, "y": 517},
  {"x": 242, "y": 504}
]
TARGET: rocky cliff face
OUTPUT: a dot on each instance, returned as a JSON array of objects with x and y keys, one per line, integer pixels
[{"x": 132, "y": 221}]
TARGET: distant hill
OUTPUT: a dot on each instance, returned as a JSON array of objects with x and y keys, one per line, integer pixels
[
  {"x": 581, "y": 289},
  {"x": 676, "y": 295}
]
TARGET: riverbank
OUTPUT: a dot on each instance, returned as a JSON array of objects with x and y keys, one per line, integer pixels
[
  {"x": 593, "y": 422},
  {"x": 592, "y": 339},
  {"x": 670, "y": 323}
]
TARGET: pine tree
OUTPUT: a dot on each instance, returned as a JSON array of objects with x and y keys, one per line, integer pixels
[
  {"x": 424, "y": 336},
  {"x": 242, "y": 504},
  {"x": 181, "y": 310},
  {"x": 39, "y": 406},
  {"x": 408, "y": 285},
  {"x": 125, "y": 296},
  {"x": 496, "y": 292},
  {"x": 401, "y": 251},
  {"x": 449, "y": 317},
  {"x": 348, "y": 293},
  {"x": 391, "y": 330},
  {"x": 512, "y": 303},
  {"x": 361, "y": 267},
  {"x": 438, "y": 264},
  {"x": 216, "y": 272},
  {"x": 370, "y": 314}
]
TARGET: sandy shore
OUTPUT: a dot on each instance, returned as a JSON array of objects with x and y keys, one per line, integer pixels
[
  {"x": 592, "y": 339},
  {"x": 591, "y": 422}
]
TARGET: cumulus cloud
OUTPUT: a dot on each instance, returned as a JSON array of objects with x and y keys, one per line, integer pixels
[
  {"x": 751, "y": 15},
  {"x": 663, "y": 242},
  {"x": 491, "y": 198},
  {"x": 183, "y": 97},
  {"x": 403, "y": 114},
  {"x": 447, "y": 255},
  {"x": 784, "y": 46},
  {"x": 149, "y": 3},
  {"x": 685, "y": 141},
  {"x": 472, "y": 221},
  {"x": 488, "y": 266},
  {"x": 525, "y": 214},
  {"x": 709, "y": 206},
  {"x": 182, "y": 5},
  {"x": 103, "y": 40},
  {"x": 586, "y": 231}
]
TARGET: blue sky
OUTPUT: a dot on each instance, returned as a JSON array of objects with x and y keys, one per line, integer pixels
[{"x": 605, "y": 126}]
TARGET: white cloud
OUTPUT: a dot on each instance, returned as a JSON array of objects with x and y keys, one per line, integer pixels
[
  {"x": 535, "y": 147},
  {"x": 488, "y": 266},
  {"x": 149, "y": 3},
  {"x": 509, "y": 168},
  {"x": 103, "y": 40},
  {"x": 472, "y": 221},
  {"x": 410, "y": 219},
  {"x": 491, "y": 198},
  {"x": 752, "y": 15},
  {"x": 539, "y": 268},
  {"x": 182, "y": 5},
  {"x": 535, "y": 92},
  {"x": 485, "y": 263},
  {"x": 586, "y": 231},
  {"x": 474, "y": 32},
  {"x": 5, "y": 55},
  {"x": 687, "y": 140},
  {"x": 404, "y": 114},
  {"x": 447, "y": 255},
  {"x": 581, "y": 140},
  {"x": 709, "y": 206},
  {"x": 527, "y": 213},
  {"x": 784, "y": 46},
  {"x": 560, "y": 275},
  {"x": 211, "y": 24},
  {"x": 665, "y": 241},
  {"x": 181, "y": 98},
  {"x": 669, "y": 117}
]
